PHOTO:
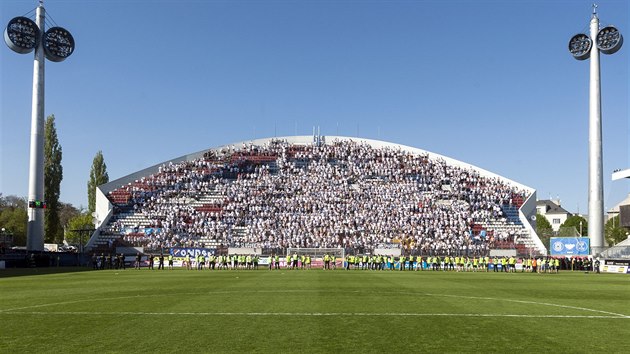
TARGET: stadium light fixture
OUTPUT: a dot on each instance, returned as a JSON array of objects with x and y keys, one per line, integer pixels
[
  {"x": 580, "y": 46},
  {"x": 607, "y": 40},
  {"x": 23, "y": 35}
]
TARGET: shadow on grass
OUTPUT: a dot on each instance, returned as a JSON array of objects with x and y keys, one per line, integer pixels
[
  {"x": 20, "y": 272},
  {"x": 22, "y": 263}
]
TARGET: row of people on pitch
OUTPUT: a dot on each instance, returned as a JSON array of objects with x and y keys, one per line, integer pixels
[
  {"x": 298, "y": 262},
  {"x": 152, "y": 259},
  {"x": 449, "y": 263},
  {"x": 301, "y": 262},
  {"x": 456, "y": 263},
  {"x": 541, "y": 265},
  {"x": 223, "y": 262},
  {"x": 110, "y": 261}
]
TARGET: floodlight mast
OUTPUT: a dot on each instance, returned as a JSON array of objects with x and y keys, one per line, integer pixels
[
  {"x": 608, "y": 40},
  {"x": 35, "y": 228},
  {"x": 595, "y": 165},
  {"x": 22, "y": 35}
]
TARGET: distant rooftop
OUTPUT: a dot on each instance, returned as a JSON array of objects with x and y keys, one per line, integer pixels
[{"x": 551, "y": 207}]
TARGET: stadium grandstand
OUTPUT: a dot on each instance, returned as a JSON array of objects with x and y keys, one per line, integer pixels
[{"x": 317, "y": 192}]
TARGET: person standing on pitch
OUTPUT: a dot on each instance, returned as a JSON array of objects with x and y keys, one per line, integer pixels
[
  {"x": 161, "y": 262},
  {"x": 138, "y": 259}
]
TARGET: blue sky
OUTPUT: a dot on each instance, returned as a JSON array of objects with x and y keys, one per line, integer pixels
[{"x": 490, "y": 83}]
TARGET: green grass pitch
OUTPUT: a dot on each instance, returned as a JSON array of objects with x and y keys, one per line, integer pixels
[{"x": 301, "y": 311}]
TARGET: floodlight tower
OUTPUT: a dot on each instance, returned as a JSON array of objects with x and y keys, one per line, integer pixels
[
  {"x": 608, "y": 40},
  {"x": 24, "y": 35}
]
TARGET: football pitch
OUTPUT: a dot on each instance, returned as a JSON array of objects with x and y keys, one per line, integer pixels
[{"x": 291, "y": 311}]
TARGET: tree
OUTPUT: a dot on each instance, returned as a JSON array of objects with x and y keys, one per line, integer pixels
[
  {"x": 98, "y": 176},
  {"x": 53, "y": 174},
  {"x": 614, "y": 233},
  {"x": 79, "y": 222},
  {"x": 66, "y": 212},
  {"x": 578, "y": 222},
  {"x": 13, "y": 218},
  {"x": 543, "y": 229}
]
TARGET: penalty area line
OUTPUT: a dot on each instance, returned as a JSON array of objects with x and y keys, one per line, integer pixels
[{"x": 313, "y": 314}]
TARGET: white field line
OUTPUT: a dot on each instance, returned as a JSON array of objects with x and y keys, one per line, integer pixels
[
  {"x": 535, "y": 303},
  {"x": 314, "y": 314},
  {"x": 606, "y": 314}
]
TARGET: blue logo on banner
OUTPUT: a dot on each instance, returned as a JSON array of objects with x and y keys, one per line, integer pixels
[
  {"x": 570, "y": 246},
  {"x": 192, "y": 252}
]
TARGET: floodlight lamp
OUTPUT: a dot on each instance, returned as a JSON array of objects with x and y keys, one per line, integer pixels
[
  {"x": 580, "y": 46},
  {"x": 22, "y": 35},
  {"x": 609, "y": 40},
  {"x": 58, "y": 44}
]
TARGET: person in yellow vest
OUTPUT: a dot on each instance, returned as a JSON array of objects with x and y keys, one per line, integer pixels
[
  {"x": 170, "y": 261},
  {"x": 295, "y": 259},
  {"x": 288, "y": 261},
  {"x": 187, "y": 262},
  {"x": 213, "y": 262},
  {"x": 224, "y": 261}
]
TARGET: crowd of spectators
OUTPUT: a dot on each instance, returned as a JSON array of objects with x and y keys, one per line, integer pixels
[{"x": 341, "y": 194}]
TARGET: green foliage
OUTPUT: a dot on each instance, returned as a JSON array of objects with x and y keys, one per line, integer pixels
[
  {"x": 574, "y": 221},
  {"x": 98, "y": 176},
  {"x": 12, "y": 201},
  {"x": 79, "y": 222},
  {"x": 543, "y": 229},
  {"x": 542, "y": 224},
  {"x": 53, "y": 174},
  {"x": 568, "y": 232},
  {"x": 613, "y": 232},
  {"x": 66, "y": 212},
  {"x": 13, "y": 218}
]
